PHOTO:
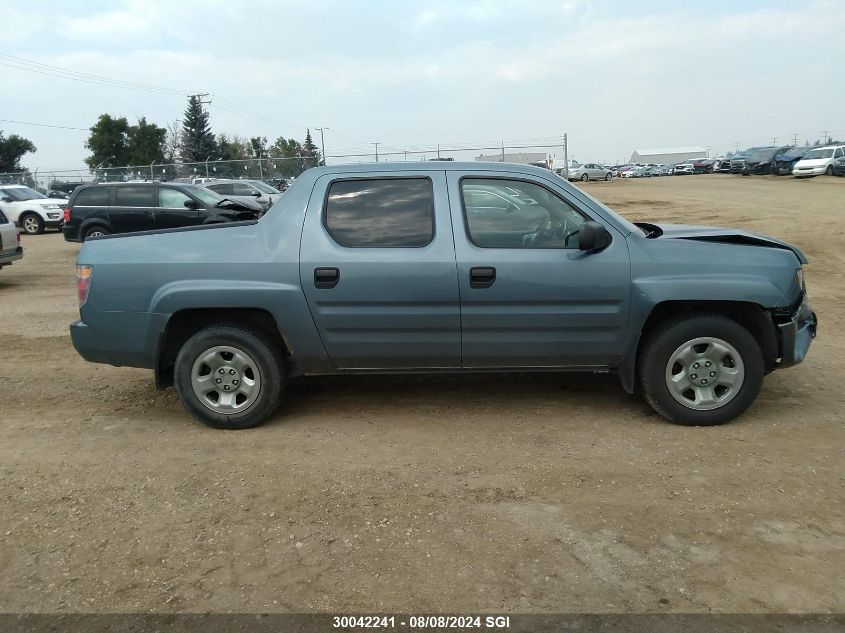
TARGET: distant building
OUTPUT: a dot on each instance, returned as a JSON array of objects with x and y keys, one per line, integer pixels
[
  {"x": 526, "y": 158},
  {"x": 667, "y": 155}
]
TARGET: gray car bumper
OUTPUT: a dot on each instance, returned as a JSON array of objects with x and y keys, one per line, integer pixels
[
  {"x": 797, "y": 334},
  {"x": 8, "y": 258}
]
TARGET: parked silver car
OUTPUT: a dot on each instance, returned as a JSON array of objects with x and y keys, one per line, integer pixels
[
  {"x": 241, "y": 190},
  {"x": 589, "y": 171},
  {"x": 10, "y": 242}
]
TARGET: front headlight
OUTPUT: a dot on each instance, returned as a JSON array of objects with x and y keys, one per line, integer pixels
[
  {"x": 799, "y": 277},
  {"x": 52, "y": 206}
]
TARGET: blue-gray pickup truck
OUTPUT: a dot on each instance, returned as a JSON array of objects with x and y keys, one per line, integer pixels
[{"x": 433, "y": 267}]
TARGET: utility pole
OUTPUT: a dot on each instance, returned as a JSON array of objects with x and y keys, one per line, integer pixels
[
  {"x": 200, "y": 97},
  {"x": 406, "y": 156},
  {"x": 795, "y": 139},
  {"x": 322, "y": 142},
  {"x": 774, "y": 140},
  {"x": 708, "y": 151},
  {"x": 438, "y": 151},
  {"x": 825, "y": 136},
  {"x": 736, "y": 147},
  {"x": 376, "y": 144},
  {"x": 503, "y": 151},
  {"x": 566, "y": 156}
]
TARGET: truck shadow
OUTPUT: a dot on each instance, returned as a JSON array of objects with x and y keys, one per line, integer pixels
[{"x": 455, "y": 394}]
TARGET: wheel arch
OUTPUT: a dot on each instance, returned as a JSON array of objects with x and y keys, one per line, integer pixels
[
  {"x": 185, "y": 323},
  {"x": 752, "y": 316}
]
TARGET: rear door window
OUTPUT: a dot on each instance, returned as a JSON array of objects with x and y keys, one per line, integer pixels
[
  {"x": 222, "y": 188},
  {"x": 381, "y": 212},
  {"x": 243, "y": 189},
  {"x": 132, "y": 196},
  {"x": 94, "y": 197}
]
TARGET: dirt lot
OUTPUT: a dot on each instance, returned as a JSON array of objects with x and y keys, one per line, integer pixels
[{"x": 518, "y": 493}]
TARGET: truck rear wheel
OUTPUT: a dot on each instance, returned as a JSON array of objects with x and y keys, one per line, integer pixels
[
  {"x": 229, "y": 377},
  {"x": 701, "y": 371}
]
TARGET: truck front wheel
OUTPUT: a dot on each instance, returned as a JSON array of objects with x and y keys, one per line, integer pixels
[
  {"x": 229, "y": 377},
  {"x": 702, "y": 370}
]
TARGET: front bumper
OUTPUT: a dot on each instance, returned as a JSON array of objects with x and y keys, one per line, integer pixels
[
  {"x": 809, "y": 171},
  {"x": 796, "y": 334},
  {"x": 8, "y": 258}
]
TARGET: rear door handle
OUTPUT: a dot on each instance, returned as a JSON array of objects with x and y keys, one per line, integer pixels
[
  {"x": 326, "y": 277},
  {"x": 482, "y": 277}
]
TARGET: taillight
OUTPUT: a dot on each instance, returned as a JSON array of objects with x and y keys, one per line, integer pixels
[
  {"x": 83, "y": 283},
  {"x": 67, "y": 215}
]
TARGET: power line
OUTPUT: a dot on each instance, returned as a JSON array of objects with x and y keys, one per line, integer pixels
[
  {"x": 59, "y": 127},
  {"x": 50, "y": 70}
]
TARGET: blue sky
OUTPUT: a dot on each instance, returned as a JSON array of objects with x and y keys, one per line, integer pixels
[{"x": 614, "y": 75}]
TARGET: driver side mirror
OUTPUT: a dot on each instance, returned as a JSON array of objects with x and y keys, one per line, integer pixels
[
  {"x": 192, "y": 204},
  {"x": 593, "y": 237},
  {"x": 256, "y": 194},
  {"x": 6, "y": 199}
]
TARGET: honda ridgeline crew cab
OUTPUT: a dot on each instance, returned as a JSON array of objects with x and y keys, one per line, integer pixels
[{"x": 444, "y": 267}]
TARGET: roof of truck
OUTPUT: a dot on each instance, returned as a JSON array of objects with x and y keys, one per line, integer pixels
[{"x": 430, "y": 166}]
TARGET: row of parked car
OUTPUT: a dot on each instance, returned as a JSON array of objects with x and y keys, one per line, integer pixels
[
  {"x": 781, "y": 160},
  {"x": 103, "y": 208}
]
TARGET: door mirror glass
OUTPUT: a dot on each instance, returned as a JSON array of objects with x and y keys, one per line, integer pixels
[{"x": 593, "y": 236}]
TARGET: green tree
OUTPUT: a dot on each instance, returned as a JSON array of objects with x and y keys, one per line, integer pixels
[
  {"x": 108, "y": 142},
  {"x": 12, "y": 149},
  {"x": 198, "y": 141},
  {"x": 258, "y": 146},
  {"x": 309, "y": 150},
  {"x": 287, "y": 153},
  {"x": 146, "y": 143},
  {"x": 285, "y": 148}
]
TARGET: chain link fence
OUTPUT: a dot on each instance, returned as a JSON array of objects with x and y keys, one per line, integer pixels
[{"x": 275, "y": 169}]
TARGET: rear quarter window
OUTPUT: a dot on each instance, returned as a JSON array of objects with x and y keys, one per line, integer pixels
[
  {"x": 93, "y": 197},
  {"x": 381, "y": 212},
  {"x": 132, "y": 196}
]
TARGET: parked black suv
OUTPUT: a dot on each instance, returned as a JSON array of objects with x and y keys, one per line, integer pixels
[
  {"x": 761, "y": 160},
  {"x": 145, "y": 206}
]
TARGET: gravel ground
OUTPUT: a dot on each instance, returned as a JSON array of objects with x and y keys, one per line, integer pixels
[{"x": 555, "y": 493}]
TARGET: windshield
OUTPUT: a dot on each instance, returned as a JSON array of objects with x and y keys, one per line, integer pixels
[
  {"x": 623, "y": 222},
  {"x": 761, "y": 155},
  {"x": 818, "y": 153},
  {"x": 205, "y": 195},
  {"x": 263, "y": 187},
  {"x": 795, "y": 152},
  {"x": 22, "y": 193}
]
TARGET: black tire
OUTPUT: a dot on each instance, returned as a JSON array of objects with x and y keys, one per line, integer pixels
[
  {"x": 829, "y": 170},
  {"x": 31, "y": 224},
  {"x": 584, "y": 177},
  {"x": 607, "y": 177},
  {"x": 658, "y": 349},
  {"x": 269, "y": 362},
  {"x": 98, "y": 230}
]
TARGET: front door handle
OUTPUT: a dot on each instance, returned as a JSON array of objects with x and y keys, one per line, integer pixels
[
  {"x": 326, "y": 277},
  {"x": 482, "y": 277}
]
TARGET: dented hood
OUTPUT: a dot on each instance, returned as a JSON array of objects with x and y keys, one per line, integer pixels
[{"x": 725, "y": 236}]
